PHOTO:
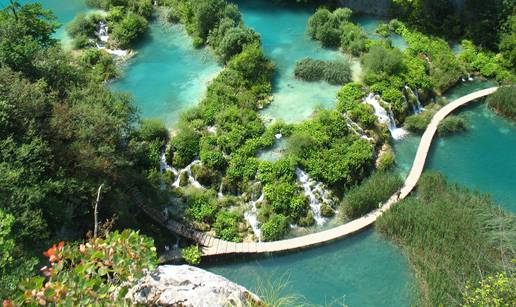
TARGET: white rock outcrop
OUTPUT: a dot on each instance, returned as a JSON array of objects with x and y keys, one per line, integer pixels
[{"x": 184, "y": 285}]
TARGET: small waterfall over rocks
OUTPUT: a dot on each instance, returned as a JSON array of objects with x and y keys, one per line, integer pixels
[
  {"x": 416, "y": 104},
  {"x": 356, "y": 128},
  {"x": 316, "y": 193},
  {"x": 251, "y": 216},
  {"x": 385, "y": 117},
  {"x": 102, "y": 33},
  {"x": 191, "y": 179}
]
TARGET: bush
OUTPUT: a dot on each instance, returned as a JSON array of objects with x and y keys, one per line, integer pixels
[
  {"x": 453, "y": 237},
  {"x": 153, "y": 130},
  {"x": 91, "y": 272},
  {"x": 354, "y": 39},
  {"x": 452, "y": 124},
  {"x": 418, "y": 122},
  {"x": 83, "y": 25},
  {"x": 226, "y": 225},
  {"x": 333, "y": 72},
  {"x": 128, "y": 30},
  {"x": 349, "y": 95},
  {"x": 192, "y": 254},
  {"x": 275, "y": 228},
  {"x": 367, "y": 196},
  {"x": 202, "y": 205},
  {"x": 327, "y": 210},
  {"x": 184, "y": 147},
  {"x": 386, "y": 159},
  {"x": 324, "y": 25},
  {"x": 383, "y": 61},
  {"x": 205, "y": 175},
  {"x": 503, "y": 101}
]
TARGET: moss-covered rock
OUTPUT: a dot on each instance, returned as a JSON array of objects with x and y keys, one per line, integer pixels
[
  {"x": 307, "y": 220},
  {"x": 327, "y": 210},
  {"x": 205, "y": 175}
]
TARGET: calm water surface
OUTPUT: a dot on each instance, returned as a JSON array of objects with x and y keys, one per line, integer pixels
[{"x": 481, "y": 158}]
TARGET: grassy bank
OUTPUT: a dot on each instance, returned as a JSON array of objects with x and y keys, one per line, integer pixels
[{"x": 453, "y": 237}]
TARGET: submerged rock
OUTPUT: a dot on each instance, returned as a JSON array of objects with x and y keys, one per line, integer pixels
[{"x": 184, "y": 285}]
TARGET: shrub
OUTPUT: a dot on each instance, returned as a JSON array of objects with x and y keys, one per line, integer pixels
[
  {"x": 349, "y": 95},
  {"x": 333, "y": 72},
  {"x": 192, "y": 254},
  {"x": 226, "y": 225},
  {"x": 494, "y": 290},
  {"x": 324, "y": 25},
  {"x": 275, "y": 228},
  {"x": 503, "y": 101},
  {"x": 327, "y": 210},
  {"x": 418, "y": 122},
  {"x": 452, "y": 124},
  {"x": 205, "y": 175},
  {"x": 152, "y": 130},
  {"x": 184, "y": 147},
  {"x": 128, "y": 30},
  {"x": 354, "y": 39},
  {"x": 364, "y": 198},
  {"x": 89, "y": 273},
  {"x": 386, "y": 159},
  {"x": 202, "y": 205},
  {"x": 83, "y": 25},
  {"x": 383, "y": 61}
]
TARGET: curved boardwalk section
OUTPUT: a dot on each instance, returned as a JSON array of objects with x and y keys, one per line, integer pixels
[{"x": 211, "y": 246}]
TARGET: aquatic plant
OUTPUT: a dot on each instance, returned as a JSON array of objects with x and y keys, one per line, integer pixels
[{"x": 503, "y": 101}]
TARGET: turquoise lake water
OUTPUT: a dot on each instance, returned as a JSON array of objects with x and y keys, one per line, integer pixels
[
  {"x": 168, "y": 75},
  {"x": 481, "y": 158}
]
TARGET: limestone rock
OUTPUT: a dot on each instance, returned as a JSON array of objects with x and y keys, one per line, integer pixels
[{"x": 184, "y": 285}]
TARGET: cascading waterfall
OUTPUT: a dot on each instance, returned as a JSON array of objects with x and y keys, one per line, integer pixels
[
  {"x": 164, "y": 166},
  {"x": 251, "y": 216},
  {"x": 191, "y": 179},
  {"x": 356, "y": 128},
  {"x": 313, "y": 189},
  {"x": 418, "y": 107},
  {"x": 385, "y": 117},
  {"x": 102, "y": 34}
]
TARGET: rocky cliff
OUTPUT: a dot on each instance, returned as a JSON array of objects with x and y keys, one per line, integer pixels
[{"x": 184, "y": 285}]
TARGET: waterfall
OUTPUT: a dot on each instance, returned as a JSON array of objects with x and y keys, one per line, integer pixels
[
  {"x": 164, "y": 166},
  {"x": 219, "y": 193},
  {"x": 102, "y": 34},
  {"x": 251, "y": 216},
  {"x": 312, "y": 190},
  {"x": 356, "y": 128},
  {"x": 418, "y": 107},
  {"x": 278, "y": 136},
  {"x": 191, "y": 179},
  {"x": 385, "y": 117}
]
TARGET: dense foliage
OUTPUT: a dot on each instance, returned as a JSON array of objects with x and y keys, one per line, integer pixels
[
  {"x": 367, "y": 196},
  {"x": 503, "y": 101},
  {"x": 330, "y": 152},
  {"x": 96, "y": 272},
  {"x": 333, "y": 72},
  {"x": 62, "y": 135},
  {"x": 487, "y": 23},
  {"x": 126, "y": 21},
  {"x": 192, "y": 254},
  {"x": 453, "y": 237}
]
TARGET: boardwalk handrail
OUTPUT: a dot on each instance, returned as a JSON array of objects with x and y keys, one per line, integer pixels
[{"x": 212, "y": 246}]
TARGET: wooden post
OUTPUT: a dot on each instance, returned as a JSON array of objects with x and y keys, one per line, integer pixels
[{"x": 96, "y": 212}]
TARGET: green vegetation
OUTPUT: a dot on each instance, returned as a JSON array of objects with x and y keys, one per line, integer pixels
[
  {"x": 62, "y": 135},
  {"x": 453, "y": 238},
  {"x": 486, "y": 63},
  {"x": 275, "y": 227},
  {"x": 330, "y": 152},
  {"x": 97, "y": 272},
  {"x": 367, "y": 196},
  {"x": 333, "y": 29},
  {"x": 333, "y": 72},
  {"x": 452, "y": 124},
  {"x": 127, "y": 21},
  {"x": 503, "y": 101},
  {"x": 192, "y": 254},
  {"x": 495, "y": 290}
]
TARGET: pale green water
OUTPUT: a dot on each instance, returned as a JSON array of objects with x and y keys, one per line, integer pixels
[
  {"x": 283, "y": 33},
  {"x": 364, "y": 270},
  {"x": 65, "y": 11},
  {"x": 167, "y": 75},
  {"x": 482, "y": 158}
]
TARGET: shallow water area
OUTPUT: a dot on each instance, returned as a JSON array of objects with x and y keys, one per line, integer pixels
[
  {"x": 481, "y": 158},
  {"x": 167, "y": 75},
  {"x": 284, "y": 39},
  {"x": 65, "y": 11},
  {"x": 363, "y": 270}
]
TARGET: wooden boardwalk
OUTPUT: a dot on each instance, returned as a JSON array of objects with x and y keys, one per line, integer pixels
[{"x": 211, "y": 246}]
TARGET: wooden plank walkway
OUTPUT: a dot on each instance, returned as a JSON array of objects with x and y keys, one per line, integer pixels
[{"x": 212, "y": 246}]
